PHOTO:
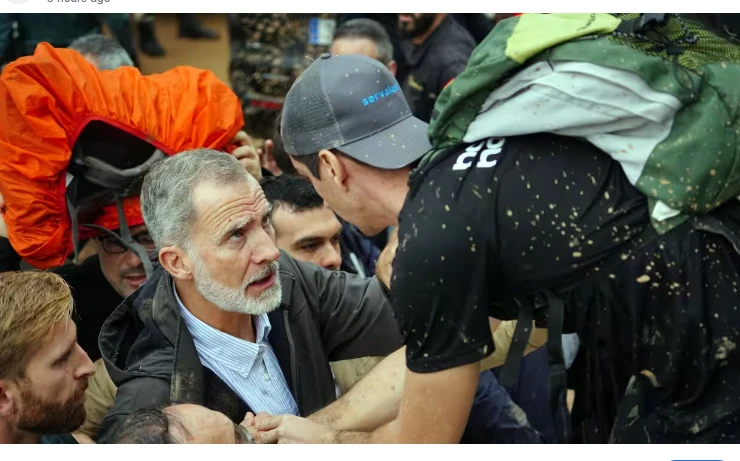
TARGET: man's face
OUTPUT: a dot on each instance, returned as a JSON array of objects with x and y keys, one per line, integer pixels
[
  {"x": 233, "y": 248},
  {"x": 51, "y": 392},
  {"x": 362, "y": 47},
  {"x": 120, "y": 266},
  {"x": 351, "y": 207},
  {"x": 311, "y": 235},
  {"x": 412, "y": 25}
]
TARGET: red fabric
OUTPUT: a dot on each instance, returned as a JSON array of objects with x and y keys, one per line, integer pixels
[
  {"x": 108, "y": 217},
  {"x": 47, "y": 99}
]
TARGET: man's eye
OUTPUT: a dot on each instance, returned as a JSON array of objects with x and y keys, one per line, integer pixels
[
  {"x": 266, "y": 222},
  {"x": 236, "y": 235},
  {"x": 310, "y": 247},
  {"x": 63, "y": 359}
]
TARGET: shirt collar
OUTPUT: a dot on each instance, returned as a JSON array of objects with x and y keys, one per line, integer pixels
[{"x": 233, "y": 352}]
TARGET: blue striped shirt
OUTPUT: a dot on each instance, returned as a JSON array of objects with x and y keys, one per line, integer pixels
[{"x": 251, "y": 370}]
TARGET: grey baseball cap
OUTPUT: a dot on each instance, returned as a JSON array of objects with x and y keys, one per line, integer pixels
[{"x": 354, "y": 104}]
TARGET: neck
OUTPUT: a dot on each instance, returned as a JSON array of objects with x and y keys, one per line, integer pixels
[
  {"x": 232, "y": 323},
  {"x": 419, "y": 39},
  {"x": 389, "y": 193},
  {"x": 9, "y": 435}
]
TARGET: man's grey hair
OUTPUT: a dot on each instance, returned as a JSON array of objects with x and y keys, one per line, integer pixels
[
  {"x": 167, "y": 191},
  {"x": 107, "y": 53},
  {"x": 370, "y": 30}
]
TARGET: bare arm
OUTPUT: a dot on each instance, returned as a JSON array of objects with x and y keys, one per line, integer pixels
[
  {"x": 372, "y": 402},
  {"x": 434, "y": 408},
  {"x": 375, "y": 400}
]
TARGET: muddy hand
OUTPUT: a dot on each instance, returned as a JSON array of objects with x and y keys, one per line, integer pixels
[{"x": 293, "y": 429}]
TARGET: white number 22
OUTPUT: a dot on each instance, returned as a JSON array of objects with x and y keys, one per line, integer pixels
[{"x": 488, "y": 151}]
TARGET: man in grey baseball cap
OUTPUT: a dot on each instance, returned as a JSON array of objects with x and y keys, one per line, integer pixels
[
  {"x": 354, "y": 104},
  {"x": 348, "y": 128}
]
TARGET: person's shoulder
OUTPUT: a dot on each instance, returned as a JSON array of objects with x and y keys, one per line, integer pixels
[
  {"x": 457, "y": 39},
  {"x": 71, "y": 272}
]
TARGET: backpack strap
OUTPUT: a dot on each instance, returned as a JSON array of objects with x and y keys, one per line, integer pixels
[
  {"x": 146, "y": 257},
  {"x": 551, "y": 300},
  {"x": 129, "y": 241},
  {"x": 558, "y": 374},
  {"x": 642, "y": 24},
  {"x": 73, "y": 217},
  {"x": 510, "y": 369}
]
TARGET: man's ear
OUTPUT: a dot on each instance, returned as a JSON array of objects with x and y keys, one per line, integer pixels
[
  {"x": 7, "y": 399},
  {"x": 332, "y": 167},
  {"x": 175, "y": 261},
  {"x": 393, "y": 67}
]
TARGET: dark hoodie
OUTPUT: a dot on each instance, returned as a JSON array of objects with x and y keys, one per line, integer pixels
[{"x": 324, "y": 316}]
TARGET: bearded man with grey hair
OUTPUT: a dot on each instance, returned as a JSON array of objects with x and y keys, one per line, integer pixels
[{"x": 228, "y": 321}]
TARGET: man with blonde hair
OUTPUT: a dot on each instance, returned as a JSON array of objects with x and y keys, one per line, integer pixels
[{"x": 43, "y": 371}]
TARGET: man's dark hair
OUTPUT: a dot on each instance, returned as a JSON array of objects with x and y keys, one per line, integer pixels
[
  {"x": 278, "y": 150},
  {"x": 282, "y": 158},
  {"x": 149, "y": 425},
  {"x": 294, "y": 192},
  {"x": 370, "y": 30}
]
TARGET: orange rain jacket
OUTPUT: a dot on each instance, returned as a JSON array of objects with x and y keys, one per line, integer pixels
[{"x": 48, "y": 98}]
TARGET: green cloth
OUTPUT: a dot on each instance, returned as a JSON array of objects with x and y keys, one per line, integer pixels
[{"x": 695, "y": 168}]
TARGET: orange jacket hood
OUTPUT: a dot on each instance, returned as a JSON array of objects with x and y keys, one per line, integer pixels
[{"x": 45, "y": 102}]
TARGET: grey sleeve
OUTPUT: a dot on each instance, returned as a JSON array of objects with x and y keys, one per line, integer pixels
[
  {"x": 354, "y": 313},
  {"x": 131, "y": 396}
]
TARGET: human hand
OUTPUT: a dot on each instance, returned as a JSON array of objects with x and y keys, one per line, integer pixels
[
  {"x": 253, "y": 432},
  {"x": 247, "y": 155},
  {"x": 267, "y": 160},
  {"x": 249, "y": 158},
  {"x": 249, "y": 418},
  {"x": 249, "y": 424},
  {"x": 384, "y": 266},
  {"x": 293, "y": 429}
]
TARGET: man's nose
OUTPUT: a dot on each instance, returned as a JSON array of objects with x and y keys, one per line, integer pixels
[
  {"x": 264, "y": 250},
  {"x": 131, "y": 259},
  {"x": 331, "y": 258},
  {"x": 86, "y": 368}
]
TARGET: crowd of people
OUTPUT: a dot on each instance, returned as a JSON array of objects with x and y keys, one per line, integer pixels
[{"x": 382, "y": 269}]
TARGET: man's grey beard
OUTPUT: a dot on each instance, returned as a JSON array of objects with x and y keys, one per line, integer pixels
[{"x": 236, "y": 299}]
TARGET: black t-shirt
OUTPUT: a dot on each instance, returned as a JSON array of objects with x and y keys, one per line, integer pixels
[
  {"x": 94, "y": 298},
  {"x": 504, "y": 219},
  {"x": 497, "y": 219}
]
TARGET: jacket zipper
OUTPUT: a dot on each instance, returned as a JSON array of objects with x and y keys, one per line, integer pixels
[{"x": 293, "y": 360}]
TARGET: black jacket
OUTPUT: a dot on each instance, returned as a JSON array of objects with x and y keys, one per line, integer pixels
[
  {"x": 433, "y": 64},
  {"x": 95, "y": 300},
  {"x": 324, "y": 316}
]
